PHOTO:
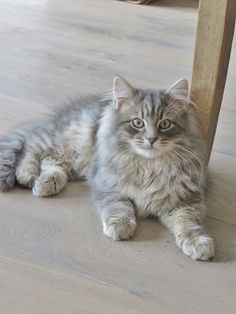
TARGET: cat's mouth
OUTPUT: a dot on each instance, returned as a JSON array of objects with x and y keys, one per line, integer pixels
[
  {"x": 148, "y": 151},
  {"x": 149, "y": 148},
  {"x": 154, "y": 146}
]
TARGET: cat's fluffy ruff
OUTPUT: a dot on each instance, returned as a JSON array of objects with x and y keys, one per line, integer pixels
[{"x": 135, "y": 163}]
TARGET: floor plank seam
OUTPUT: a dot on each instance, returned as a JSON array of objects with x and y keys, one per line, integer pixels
[
  {"x": 222, "y": 221},
  {"x": 71, "y": 271}
]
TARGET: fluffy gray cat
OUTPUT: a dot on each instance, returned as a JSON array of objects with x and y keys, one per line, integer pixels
[{"x": 141, "y": 150}]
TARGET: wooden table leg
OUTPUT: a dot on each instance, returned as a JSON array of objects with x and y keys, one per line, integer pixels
[{"x": 216, "y": 21}]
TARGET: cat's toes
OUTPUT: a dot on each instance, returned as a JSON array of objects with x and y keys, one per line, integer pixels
[
  {"x": 49, "y": 184},
  {"x": 27, "y": 182},
  {"x": 119, "y": 228},
  {"x": 26, "y": 179},
  {"x": 200, "y": 247}
]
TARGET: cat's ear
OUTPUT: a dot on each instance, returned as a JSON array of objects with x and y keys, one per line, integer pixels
[
  {"x": 179, "y": 90},
  {"x": 122, "y": 91}
]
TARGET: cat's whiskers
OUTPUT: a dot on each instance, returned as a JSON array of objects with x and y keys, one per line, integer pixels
[
  {"x": 193, "y": 155},
  {"x": 187, "y": 162},
  {"x": 118, "y": 156}
]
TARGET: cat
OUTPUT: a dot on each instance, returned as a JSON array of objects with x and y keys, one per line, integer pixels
[{"x": 142, "y": 151}]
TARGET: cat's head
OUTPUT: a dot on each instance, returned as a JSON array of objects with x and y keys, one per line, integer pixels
[{"x": 154, "y": 122}]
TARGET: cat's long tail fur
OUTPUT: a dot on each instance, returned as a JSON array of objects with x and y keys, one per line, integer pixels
[{"x": 11, "y": 147}]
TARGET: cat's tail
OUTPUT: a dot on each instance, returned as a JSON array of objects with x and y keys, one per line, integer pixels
[{"x": 10, "y": 148}]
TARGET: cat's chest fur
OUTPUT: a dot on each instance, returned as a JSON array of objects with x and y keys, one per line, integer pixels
[{"x": 155, "y": 191}]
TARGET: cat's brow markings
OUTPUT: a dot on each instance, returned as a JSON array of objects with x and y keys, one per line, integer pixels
[
  {"x": 161, "y": 112},
  {"x": 154, "y": 106},
  {"x": 154, "y": 110},
  {"x": 142, "y": 112},
  {"x": 147, "y": 109}
]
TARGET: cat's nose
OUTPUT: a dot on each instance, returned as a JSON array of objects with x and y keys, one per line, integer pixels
[{"x": 152, "y": 140}]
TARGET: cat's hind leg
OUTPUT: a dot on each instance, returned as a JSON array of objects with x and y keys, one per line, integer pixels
[
  {"x": 28, "y": 168},
  {"x": 52, "y": 178}
]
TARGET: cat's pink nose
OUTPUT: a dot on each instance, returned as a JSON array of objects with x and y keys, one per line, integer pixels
[{"x": 152, "y": 140}]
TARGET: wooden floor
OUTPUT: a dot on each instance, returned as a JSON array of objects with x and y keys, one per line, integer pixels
[{"x": 53, "y": 255}]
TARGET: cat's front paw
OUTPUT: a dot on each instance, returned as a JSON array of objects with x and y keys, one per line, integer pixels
[
  {"x": 48, "y": 184},
  {"x": 119, "y": 227},
  {"x": 200, "y": 247}
]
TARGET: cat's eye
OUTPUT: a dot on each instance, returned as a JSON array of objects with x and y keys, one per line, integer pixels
[
  {"x": 137, "y": 123},
  {"x": 165, "y": 124}
]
